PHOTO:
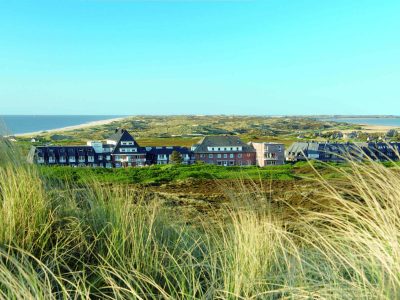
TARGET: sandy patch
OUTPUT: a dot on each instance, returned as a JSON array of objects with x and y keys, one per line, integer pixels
[{"x": 70, "y": 128}]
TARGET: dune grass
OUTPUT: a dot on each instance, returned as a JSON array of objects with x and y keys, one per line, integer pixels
[{"x": 59, "y": 240}]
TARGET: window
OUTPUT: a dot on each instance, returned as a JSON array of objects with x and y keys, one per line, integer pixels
[
  {"x": 100, "y": 157},
  {"x": 90, "y": 158},
  {"x": 231, "y": 162},
  {"x": 231, "y": 155},
  {"x": 202, "y": 155},
  {"x": 108, "y": 157},
  {"x": 240, "y": 155},
  {"x": 62, "y": 159},
  {"x": 52, "y": 159},
  {"x": 210, "y": 155},
  {"x": 81, "y": 158},
  {"x": 126, "y": 143},
  {"x": 219, "y": 155},
  {"x": 225, "y": 155},
  {"x": 71, "y": 159}
]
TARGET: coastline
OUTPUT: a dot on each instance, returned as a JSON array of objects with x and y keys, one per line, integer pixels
[
  {"x": 378, "y": 128},
  {"x": 73, "y": 127},
  {"x": 373, "y": 128}
]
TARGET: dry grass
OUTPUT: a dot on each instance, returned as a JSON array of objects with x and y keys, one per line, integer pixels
[{"x": 65, "y": 242}]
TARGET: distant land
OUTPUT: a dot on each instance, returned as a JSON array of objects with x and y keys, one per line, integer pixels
[
  {"x": 37, "y": 124},
  {"x": 356, "y": 116},
  {"x": 365, "y": 120}
]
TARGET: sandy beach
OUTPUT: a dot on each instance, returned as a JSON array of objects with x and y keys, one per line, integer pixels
[
  {"x": 70, "y": 128},
  {"x": 373, "y": 128},
  {"x": 377, "y": 128}
]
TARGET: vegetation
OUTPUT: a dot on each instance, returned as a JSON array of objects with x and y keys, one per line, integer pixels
[
  {"x": 176, "y": 157},
  {"x": 187, "y": 130},
  {"x": 62, "y": 240},
  {"x": 165, "y": 173}
]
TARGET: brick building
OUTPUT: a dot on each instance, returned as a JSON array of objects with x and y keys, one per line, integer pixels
[{"x": 224, "y": 151}]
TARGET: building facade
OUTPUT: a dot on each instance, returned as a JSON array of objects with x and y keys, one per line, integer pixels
[
  {"x": 339, "y": 152},
  {"x": 224, "y": 151},
  {"x": 77, "y": 156},
  {"x": 126, "y": 152},
  {"x": 119, "y": 150},
  {"x": 162, "y": 155},
  {"x": 269, "y": 154}
]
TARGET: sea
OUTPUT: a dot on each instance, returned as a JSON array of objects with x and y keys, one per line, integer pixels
[
  {"x": 17, "y": 124},
  {"x": 369, "y": 121}
]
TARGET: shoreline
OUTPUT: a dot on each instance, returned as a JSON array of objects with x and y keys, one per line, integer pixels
[
  {"x": 378, "y": 128},
  {"x": 72, "y": 127},
  {"x": 373, "y": 128}
]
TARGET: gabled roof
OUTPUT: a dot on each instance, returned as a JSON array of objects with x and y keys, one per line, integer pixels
[
  {"x": 121, "y": 134},
  {"x": 222, "y": 141}
]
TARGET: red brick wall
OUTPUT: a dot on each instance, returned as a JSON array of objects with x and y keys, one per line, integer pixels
[{"x": 248, "y": 158}]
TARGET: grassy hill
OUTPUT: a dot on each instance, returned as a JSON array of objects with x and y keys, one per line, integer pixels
[{"x": 187, "y": 130}]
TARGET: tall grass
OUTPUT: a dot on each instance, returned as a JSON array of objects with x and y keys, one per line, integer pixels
[{"x": 67, "y": 241}]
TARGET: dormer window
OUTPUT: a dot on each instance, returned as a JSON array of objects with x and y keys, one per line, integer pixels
[{"x": 126, "y": 143}]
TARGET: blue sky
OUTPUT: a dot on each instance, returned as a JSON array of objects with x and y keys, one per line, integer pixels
[{"x": 199, "y": 57}]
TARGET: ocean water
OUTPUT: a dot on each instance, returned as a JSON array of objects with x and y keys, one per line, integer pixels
[
  {"x": 15, "y": 124},
  {"x": 369, "y": 121}
]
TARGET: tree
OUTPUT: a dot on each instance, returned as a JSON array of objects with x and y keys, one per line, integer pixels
[{"x": 175, "y": 158}]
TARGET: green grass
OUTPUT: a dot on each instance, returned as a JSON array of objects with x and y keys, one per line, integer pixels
[
  {"x": 166, "y": 173},
  {"x": 63, "y": 240}
]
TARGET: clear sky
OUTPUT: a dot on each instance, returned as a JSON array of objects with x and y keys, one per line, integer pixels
[{"x": 264, "y": 57}]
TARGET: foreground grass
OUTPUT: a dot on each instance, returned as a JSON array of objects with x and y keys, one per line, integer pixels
[{"x": 70, "y": 242}]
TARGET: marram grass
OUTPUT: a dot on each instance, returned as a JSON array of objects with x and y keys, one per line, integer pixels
[{"x": 63, "y": 241}]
